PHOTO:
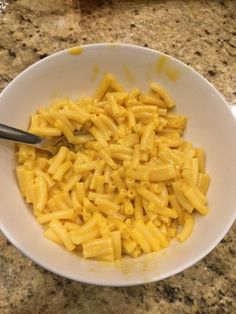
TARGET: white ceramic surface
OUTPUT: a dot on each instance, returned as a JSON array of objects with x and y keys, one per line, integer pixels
[{"x": 211, "y": 125}]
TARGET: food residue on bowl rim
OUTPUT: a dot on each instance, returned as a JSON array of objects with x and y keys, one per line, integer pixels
[
  {"x": 113, "y": 45},
  {"x": 95, "y": 72},
  {"x": 162, "y": 65},
  {"x": 161, "y": 62},
  {"x": 146, "y": 265},
  {"x": 75, "y": 51},
  {"x": 128, "y": 74}
]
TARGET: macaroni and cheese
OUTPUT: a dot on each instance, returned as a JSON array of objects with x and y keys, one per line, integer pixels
[{"x": 128, "y": 186}]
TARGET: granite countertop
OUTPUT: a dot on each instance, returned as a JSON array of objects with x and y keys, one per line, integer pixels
[{"x": 200, "y": 33}]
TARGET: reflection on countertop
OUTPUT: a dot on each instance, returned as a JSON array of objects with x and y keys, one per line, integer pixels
[{"x": 201, "y": 34}]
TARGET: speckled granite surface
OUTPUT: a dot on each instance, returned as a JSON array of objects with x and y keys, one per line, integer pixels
[{"x": 200, "y": 33}]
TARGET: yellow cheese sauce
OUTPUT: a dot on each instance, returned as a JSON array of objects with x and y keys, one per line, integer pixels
[
  {"x": 114, "y": 45},
  {"x": 163, "y": 66},
  {"x": 173, "y": 74},
  {"x": 75, "y": 51},
  {"x": 95, "y": 73},
  {"x": 161, "y": 62},
  {"x": 128, "y": 74}
]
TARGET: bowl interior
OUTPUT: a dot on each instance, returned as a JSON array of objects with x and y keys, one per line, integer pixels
[{"x": 210, "y": 125}]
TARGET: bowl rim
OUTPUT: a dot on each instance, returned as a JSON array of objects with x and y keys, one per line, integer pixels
[{"x": 130, "y": 282}]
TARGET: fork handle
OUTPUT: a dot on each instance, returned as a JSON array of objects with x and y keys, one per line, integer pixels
[{"x": 15, "y": 135}]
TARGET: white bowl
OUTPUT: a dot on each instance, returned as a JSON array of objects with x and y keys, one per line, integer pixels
[{"x": 210, "y": 125}]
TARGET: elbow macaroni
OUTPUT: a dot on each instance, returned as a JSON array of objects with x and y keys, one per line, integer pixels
[{"x": 129, "y": 187}]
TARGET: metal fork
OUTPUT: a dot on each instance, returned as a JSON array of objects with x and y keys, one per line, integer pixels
[{"x": 18, "y": 136}]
